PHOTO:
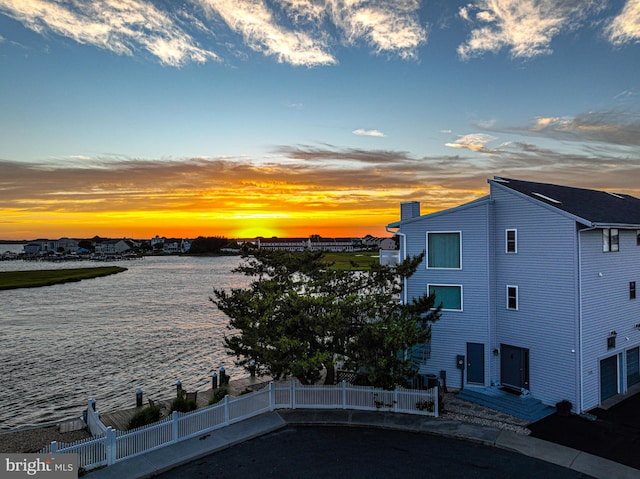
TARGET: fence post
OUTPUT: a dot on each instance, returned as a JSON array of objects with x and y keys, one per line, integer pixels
[
  {"x": 110, "y": 446},
  {"x": 436, "y": 405},
  {"x": 272, "y": 397},
  {"x": 54, "y": 447},
  {"x": 395, "y": 399},
  {"x": 175, "y": 430},
  {"x": 227, "y": 416},
  {"x": 292, "y": 388},
  {"x": 344, "y": 394}
]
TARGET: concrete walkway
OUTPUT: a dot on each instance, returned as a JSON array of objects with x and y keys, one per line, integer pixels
[{"x": 166, "y": 458}]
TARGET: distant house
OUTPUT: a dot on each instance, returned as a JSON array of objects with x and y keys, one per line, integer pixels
[
  {"x": 312, "y": 243},
  {"x": 112, "y": 246},
  {"x": 538, "y": 284},
  {"x": 286, "y": 244}
]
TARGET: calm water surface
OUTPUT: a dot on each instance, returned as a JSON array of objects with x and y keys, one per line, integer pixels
[{"x": 147, "y": 328}]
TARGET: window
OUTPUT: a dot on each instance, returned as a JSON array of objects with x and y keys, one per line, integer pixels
[
  {"x": 632, "y": 290},
  {"x": 610, "y": 240},
  {"x": 512, "y": 297},
  {"x": 444, "y": 250},
  {"x": 511, "y": 239},
  {"x": 638, "y": 237},
  {"x": 449, "y": 296}
]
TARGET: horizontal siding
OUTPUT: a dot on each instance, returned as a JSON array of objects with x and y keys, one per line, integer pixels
[
  {"x": 452, "y": 332},
  {"x": 606, "y": 305},
  {"x": 544, "y": 270}
]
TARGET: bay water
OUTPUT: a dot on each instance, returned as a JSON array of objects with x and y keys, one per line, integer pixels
[{"x": 103, "y": 338}]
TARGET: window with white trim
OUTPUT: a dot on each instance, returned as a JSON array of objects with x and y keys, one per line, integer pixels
[
  {"x": 449, "y": 296},
  {"x": 444, "y": 249},
  {"x": 511, "y": 241},
  {"x": 610, "y": 240},
  {"x": 512, "y": 297}
]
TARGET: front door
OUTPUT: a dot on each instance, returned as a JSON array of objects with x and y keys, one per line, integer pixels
[
  {"x": 514, "y": 367},
  {"x": 608, "y": 377},
  {"x": 475, "y": 363}
]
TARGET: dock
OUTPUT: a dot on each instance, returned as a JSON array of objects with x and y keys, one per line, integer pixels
[{"x": 120, "y": 419}]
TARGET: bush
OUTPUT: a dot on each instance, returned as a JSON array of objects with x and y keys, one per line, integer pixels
[
  {"x": 182, "y": 405},
  {"x": 146, "y": 416},
  {"x": 218, "y": 395}
]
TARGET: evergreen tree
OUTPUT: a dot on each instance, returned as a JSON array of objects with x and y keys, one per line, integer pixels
[{"x": 299, "y": 317}]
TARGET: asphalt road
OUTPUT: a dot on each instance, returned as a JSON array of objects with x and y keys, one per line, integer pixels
[{"x": 352, "y": 453}]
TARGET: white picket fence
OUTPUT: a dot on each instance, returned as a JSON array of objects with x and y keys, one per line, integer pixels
[{"x": 109, "y": 446}]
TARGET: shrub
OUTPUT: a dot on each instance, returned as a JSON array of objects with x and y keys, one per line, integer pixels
[
  {"x": 218, "y": 395},
  {"x": 146, "y": 416},
  {"x": 182, "y": 405}
]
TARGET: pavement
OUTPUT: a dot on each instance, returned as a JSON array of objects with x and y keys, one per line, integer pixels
[{"x": 169, "y": 457}]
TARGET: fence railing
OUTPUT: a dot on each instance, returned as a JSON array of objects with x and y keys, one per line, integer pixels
[{"x": 109, "y": 446}]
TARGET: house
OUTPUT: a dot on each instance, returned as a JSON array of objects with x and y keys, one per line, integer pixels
[
  {"x": 538, "y": 288},
  {"x": 112, "y": 246}
]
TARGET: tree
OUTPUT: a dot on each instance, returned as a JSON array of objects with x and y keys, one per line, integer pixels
[{"x": 299, "y": 317}]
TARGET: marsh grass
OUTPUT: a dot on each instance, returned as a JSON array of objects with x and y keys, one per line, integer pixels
[{"x": 34, "y": 279}]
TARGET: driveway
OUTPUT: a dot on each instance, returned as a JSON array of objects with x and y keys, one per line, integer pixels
[
  {"x": 360, "y": 452},
  {"x": 614, "y": 434}
]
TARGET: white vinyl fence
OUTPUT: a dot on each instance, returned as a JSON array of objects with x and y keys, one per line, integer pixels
[{"x": 109, "y": 446}]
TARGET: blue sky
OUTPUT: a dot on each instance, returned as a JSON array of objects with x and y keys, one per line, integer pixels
[{"x": 312, "y": 116}]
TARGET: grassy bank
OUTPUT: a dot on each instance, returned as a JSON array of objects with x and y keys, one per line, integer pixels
[
  {"x": 355, "y": 261},
  {"x": 34, "y": 279}
]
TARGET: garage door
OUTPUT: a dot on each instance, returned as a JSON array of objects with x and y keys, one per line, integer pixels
[
  {"x": 633, "y": 367},
  {"x": 608, "y": 377}
]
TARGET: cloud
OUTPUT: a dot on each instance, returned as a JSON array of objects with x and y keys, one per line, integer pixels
[
  {"x": 386, "y": 26},
  {"x": 363, "y": 132},
  {"x": 473, "y": 142},
  {"x": 613, "y": 127},
  {"x": 525, "y": 27},
  {"x": 297, "y": 32},
  {"x": 258, "y": 26},
  {"x": 625, "y": 28},
  {"x": 121, "y": 26}
]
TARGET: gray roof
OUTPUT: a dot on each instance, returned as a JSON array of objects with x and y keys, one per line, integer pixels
[{"x": 597, "y": 208}]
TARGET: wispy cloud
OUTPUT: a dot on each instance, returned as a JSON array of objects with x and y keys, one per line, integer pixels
[
  {"x": 121, "y": 26},
  {"x": 261, "y": 32},
  {"x": 297, "y": 32},
  {"x": 387, "y": 26},
  {"x": 473, "y": 142},
  {"x": 613, "y": 127},
  {"x": 524, "y": 27},
  {"x": 363, "y": 132},
  {"x": 625, "y": 28}
]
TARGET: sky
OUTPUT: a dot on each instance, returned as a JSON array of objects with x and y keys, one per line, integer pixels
[{"x": 239, "y": 118}]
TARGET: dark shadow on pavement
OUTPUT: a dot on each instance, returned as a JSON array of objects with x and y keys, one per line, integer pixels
[{"x": 614, "y": 434}]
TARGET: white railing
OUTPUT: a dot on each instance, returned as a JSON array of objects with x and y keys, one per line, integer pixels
[{"x": 109, "y": 446}]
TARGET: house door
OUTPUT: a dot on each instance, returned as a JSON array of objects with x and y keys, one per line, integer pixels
[
  {"x": 514, "y": 367},
  {"x": 475, "y": 363},
  {"x": 633, "y": 367},
  {"x": 608, "y": 377}
]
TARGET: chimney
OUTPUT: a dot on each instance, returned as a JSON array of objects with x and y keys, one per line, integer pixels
[{"x": 409, "y": 209}]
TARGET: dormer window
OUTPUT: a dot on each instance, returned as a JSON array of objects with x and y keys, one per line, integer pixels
[{"x": 610, "y": 240}]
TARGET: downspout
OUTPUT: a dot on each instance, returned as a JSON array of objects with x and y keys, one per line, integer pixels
[
  {"x": 580, "y": 335},
  {"x": 403, "y": 250}
]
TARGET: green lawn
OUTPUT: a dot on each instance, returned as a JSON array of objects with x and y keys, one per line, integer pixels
[
  {"x": 34, "y": 279},
  {"x": 362, "y": 259}
]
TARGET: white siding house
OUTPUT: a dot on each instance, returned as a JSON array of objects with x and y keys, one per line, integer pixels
[{"x": 538, "y": 286}]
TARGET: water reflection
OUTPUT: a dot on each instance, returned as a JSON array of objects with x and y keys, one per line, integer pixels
[{"x": 147, "y": 327}]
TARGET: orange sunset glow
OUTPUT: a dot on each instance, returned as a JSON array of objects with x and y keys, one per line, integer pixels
[
  {"x": 203, "y": 197},
  {"x": 344, "y": 195}
]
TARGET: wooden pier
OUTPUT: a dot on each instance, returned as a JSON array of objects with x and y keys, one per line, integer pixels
[{"x": 120, "y": 419}]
